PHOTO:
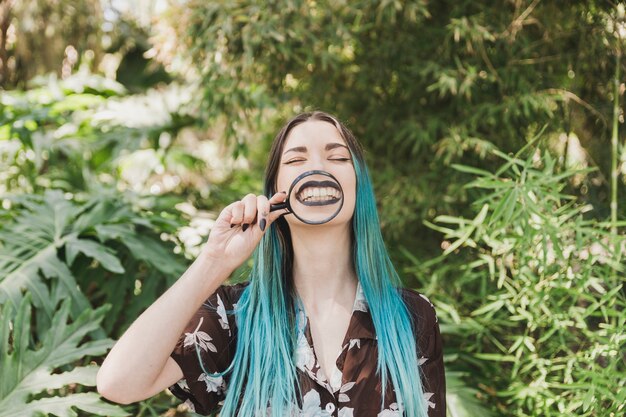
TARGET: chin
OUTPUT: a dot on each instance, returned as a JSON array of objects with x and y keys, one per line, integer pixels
[{"x": 334, "y": 223}]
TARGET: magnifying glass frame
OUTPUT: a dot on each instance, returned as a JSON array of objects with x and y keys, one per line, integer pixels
[{"x": 287, "y": 204}]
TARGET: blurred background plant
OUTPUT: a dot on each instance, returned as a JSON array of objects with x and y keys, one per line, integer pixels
[{"x": 494, "y": 137}]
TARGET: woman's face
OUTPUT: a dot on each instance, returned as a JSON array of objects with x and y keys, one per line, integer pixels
[{"x": 317, "y": 145}]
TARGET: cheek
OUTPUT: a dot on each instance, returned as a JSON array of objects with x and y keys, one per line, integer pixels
[
  {"x": 282, "y": 182},
  {"x": 281, "y": 186},
  {"x": 351, "y": 185},
  {"x": 349, "y": 189}
]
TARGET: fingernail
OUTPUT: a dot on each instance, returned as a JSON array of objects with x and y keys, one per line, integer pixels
[
  {"x": 245, "y": 227},
  {"x": 232, "y": 225},
  {"x": 262, "y": 225}
]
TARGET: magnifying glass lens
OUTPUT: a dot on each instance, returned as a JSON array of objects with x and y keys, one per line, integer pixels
[{"x": 315, "y": 197}]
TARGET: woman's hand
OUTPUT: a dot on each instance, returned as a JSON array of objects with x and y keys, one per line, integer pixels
[{"x": 239, "y": 228}]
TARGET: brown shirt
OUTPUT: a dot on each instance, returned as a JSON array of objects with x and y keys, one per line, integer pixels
[{"x": 352, "y": 390}]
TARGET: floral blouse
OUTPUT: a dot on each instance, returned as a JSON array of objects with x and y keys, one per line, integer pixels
[{"x": 353, "y": 388}]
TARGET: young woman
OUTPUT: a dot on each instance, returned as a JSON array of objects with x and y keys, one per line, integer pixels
[{"x": 321, "y": 328}]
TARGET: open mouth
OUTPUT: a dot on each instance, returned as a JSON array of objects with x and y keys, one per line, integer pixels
[{"x": 318, "y": 193}]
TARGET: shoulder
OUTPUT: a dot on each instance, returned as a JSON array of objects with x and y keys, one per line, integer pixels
[{"x": 420, "y": 308}]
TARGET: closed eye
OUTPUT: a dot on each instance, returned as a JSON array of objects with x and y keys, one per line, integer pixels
[{"x": 302, "y": 160}]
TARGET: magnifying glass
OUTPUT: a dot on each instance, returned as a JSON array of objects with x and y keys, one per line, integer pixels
[{"x": 314, "y": 197}]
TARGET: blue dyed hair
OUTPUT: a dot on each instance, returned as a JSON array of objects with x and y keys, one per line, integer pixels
[{"x": 263, "y": 371}]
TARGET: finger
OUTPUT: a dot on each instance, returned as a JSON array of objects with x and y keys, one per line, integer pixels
[
  {"x": 249, "y": 212},
  {"x": 237, "y": 209},
  {"x": 278, "y": 197},
  {"x": 263, "y": 210}
]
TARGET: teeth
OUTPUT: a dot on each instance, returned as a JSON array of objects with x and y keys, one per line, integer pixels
[
  {"x": 319, "y": 194},
  {"x": 325, "y": 198}
]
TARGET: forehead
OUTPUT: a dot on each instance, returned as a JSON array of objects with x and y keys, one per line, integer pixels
[{"x": 313, "y": 133}]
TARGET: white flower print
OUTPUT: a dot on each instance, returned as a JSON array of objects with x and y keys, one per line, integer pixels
[
  {"x": 200, "y": 338},
  {"x": 183, "y": 385},
  {"x": 343, "y": 397},
  {"x": 393, "y": 411},
  {"x": 354, "y": 342},
  {"x": 427, "y": 397},
  {"x": 346, "y": 412},
  {"x": 311, "y": 405},
  {"x": 190, "y": 405},
  {"x": 213, "y": 384},
  {"x": 221, "y": 311}
]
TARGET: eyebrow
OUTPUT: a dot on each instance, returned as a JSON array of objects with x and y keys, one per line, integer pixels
[{"x": 328, "y": 147}]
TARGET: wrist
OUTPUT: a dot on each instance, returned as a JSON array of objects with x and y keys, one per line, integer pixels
[
  {"x": 210, "y": 257},
  {"x": 214, "y": 264},
  {"x": 210, "y": 273}
]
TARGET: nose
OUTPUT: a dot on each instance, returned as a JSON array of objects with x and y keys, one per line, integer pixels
[{"x": 318, "y": 162}]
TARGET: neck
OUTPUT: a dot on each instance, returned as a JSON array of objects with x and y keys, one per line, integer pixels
[{"x": 323, "y": 270}]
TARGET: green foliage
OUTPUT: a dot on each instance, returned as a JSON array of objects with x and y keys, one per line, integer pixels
[
  {"x": 539, "y": 287},
  {"x": 29, "y": 254},
  {"x": 526, "y": 280},
  {"x": 51, "y": 244},
  {"x": 68, "y": 150},
  {"x": 35, "y": 377},
  {"x": 422, "y": 84},
  {"x": 71, "y": 29},
  {"x": 64, "y": 133},
  {"x": 462, "y": 400}
]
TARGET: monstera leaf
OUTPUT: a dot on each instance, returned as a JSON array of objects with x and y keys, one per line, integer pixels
[
  {"x": 28, "y": 254},
  {"x": 31, "y": 375},
  {"x": 54, "y": 247}
]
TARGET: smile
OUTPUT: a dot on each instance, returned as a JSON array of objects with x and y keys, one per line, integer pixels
[{"x": 318, "y": 193}]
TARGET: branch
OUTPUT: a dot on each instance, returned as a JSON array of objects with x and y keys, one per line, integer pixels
[{"x": 571, "y": 96}]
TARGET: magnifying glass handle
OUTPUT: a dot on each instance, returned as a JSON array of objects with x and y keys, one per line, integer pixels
[{"x": 279, "y": 206}]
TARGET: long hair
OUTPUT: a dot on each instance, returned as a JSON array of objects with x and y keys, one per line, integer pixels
[{"x": 263, "y": 379}]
